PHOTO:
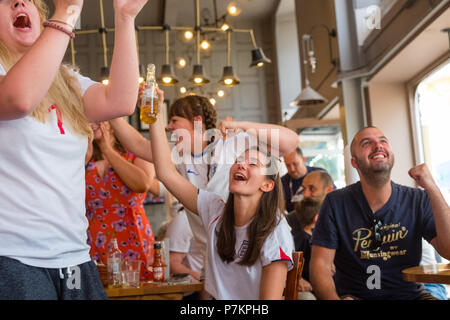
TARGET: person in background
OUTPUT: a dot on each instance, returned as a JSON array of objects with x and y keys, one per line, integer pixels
[
  {"x": 316, "y": 184},
  {"x": 306, "y": 212},
  {"x": 292, "y": 181},
  {"x": 45, "y": 111},
  {"x": 373, "y": 229},
  {"x": 249, "y": 251},
  {"x": 116, "y": 186}
]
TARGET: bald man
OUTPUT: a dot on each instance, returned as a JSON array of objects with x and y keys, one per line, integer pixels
[
  {"x": 373, "y": 229},
  {"x": 316, "y": 184}
]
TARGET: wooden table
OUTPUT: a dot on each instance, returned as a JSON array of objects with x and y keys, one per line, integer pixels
[
  {"x": 153, "y": 291},
  {"x": 437, "y": 273}
]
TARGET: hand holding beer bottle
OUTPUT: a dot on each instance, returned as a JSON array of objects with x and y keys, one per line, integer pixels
[{"x": 149, "y": 98}]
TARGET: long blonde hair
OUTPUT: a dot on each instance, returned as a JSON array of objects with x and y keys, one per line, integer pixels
[{"x": 65, "y": 91}]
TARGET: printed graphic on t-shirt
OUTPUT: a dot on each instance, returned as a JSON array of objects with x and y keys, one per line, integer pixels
[
  {"x": 243, "y": 249},
  {"x": 391, "y": 234}
]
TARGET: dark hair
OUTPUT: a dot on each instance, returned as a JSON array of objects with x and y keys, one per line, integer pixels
[
  {"x": 306, "y": 210},
  {"x": 299, "y": 151},
  {"x": 270, "y": 209},
  {"x": 97, "y": 153},
  {"x": 191, "y": 106}
]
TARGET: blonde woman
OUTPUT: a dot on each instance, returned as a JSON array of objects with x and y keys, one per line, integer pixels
[{"x": 45, "y": 110}]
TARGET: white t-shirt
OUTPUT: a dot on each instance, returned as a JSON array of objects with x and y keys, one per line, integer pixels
[
  {"x": 223, "y": 155},
  {"x": 42, "y": 191},
  {"x": 231, "y": 281},
  {"x": 182, "y": 240}
]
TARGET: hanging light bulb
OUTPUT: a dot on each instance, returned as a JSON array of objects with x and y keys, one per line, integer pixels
[
  {"x": 197, "y": 77},
  {"x": 225, "y": 26},
  {"x": 233, "y": 9},
  {"x": 188, "y": 35},
  {"x": 259, "y": 58},
  {"x": 205, "y": 45},
  {"x": 104, "y": 75},
  {"x": 181, "y": 63},
  {"x": 183, "y": 90},
  {"x": 167, "y": 77},
  {"x": 220, "y": 93},
  {"x": 213, "y": 101}
]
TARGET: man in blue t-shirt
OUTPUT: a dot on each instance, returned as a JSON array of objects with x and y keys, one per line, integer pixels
[
  {"x": 373, "y": 229},
  {"x": 292, "y": 181}
]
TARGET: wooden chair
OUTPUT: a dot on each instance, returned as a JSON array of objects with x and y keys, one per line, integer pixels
[{"x": 294, "y": 276}]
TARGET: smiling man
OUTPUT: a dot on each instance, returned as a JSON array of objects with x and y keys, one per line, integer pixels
[{"x": 373, "y": 229}]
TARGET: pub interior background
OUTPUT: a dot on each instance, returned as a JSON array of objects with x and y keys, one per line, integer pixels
[{"x": 377, "y": 62}]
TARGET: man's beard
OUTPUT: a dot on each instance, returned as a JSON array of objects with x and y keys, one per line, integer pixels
[{"x": 376, "y": 175}]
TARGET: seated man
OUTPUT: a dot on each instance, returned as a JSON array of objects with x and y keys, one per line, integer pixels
[
  {"x": 306, "y": 212},
  {"x": 292, "y": 181},
  {"x": 373, "y": 229},
  {"x": 316, "y": 184}
]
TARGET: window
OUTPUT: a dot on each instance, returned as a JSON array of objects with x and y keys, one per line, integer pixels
[
  {"x": 432, "y": 99},
  {"x": 433, "y": 114}
]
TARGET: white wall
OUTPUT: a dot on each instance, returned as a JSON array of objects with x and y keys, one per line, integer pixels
[
  {"x": 390, "y": 113},
  {"x": 287, "y": 56}
]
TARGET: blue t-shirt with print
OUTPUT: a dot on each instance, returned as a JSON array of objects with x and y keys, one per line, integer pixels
[{"x": 345, "y": 224}]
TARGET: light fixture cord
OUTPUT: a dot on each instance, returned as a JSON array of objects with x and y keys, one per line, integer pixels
[
  {"x": 105, "y": 49},
  {"x": 167, "y": 46},
  {"x": 72, "y": 49},
  {"x": 197, "y": 26},
  {"x": 229, "y": 49},
  {"x": 252, "y": 36}
]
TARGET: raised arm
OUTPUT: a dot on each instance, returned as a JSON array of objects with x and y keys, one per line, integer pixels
[
  {"x": 29, "y": 79},
  {"x": 166, "y": 172},
  {"x": 137, "y": 176},
  {"x": 131, "y": 139},
  {"x": 441, "y": 211},
  {"x": 275, "y": 135},
  {"x": 119, "y": 97}
]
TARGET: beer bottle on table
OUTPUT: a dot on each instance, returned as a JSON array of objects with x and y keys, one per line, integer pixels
[
  {"x": 149, "y": 98},
  {"x": 158, "y": 264}
]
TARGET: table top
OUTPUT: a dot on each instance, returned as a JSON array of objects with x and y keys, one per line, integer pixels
[
  {"x": 436, "y": 273},
  {"x": 152, "y": 288}
]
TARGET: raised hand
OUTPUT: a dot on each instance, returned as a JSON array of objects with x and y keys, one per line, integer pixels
[
  {"x": 129, "y": 8},
  {"x": 68, "y": 11},
  {"x": 422, "y": 175}
]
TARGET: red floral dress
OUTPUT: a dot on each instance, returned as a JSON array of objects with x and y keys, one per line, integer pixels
[{"x": 114, "y": 211}]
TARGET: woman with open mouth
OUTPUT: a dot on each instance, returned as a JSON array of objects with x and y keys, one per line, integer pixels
[
  {"x": 45, "y": 110},
  {"x": 249, "y": 244}
]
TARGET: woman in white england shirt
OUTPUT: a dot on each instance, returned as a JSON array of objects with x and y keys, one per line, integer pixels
[{"x": 45, "y": 110}]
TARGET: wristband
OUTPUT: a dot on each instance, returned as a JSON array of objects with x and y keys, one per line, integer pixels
[{"x": 59, "y": 27}]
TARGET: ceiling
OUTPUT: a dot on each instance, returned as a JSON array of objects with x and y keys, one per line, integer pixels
[
  {"x": 426, "y": 48},
  {"x": 177, "y": 12}
]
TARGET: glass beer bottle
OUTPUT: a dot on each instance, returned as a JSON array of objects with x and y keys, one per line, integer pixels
[
  {"x": 158, "y": 264},
  {"x": 149, "y": 98}
]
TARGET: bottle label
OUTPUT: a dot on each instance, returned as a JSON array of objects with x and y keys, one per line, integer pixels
[{"x": 158, "y": 273}]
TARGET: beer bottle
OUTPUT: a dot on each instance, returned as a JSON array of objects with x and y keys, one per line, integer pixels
[
  {"x": 158, "y": 264},
  {"x": 149, "y": 98}
]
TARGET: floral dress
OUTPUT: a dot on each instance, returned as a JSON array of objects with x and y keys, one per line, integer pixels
[{"x": 114, "y": 211}]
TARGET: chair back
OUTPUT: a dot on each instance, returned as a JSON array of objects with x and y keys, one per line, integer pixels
[{"x": 294, "y": 276}]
